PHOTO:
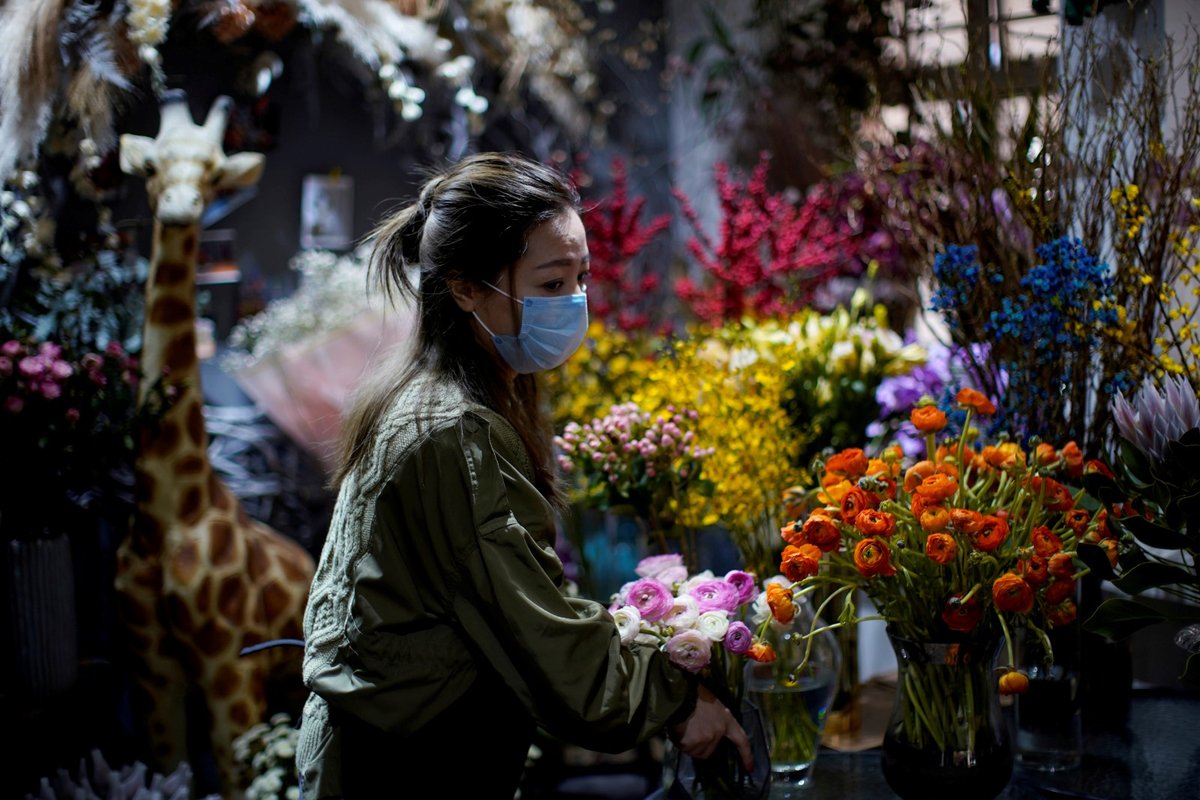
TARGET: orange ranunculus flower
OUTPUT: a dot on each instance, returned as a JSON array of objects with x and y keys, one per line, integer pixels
[
  {"x": 1062, "y": 614},
  {"x": 948, "y": 469},
  {"x": 793, "y": 534},
  {"x": 962, "y": 617},
  {"x": 1045, "y": 541},
  {"x": 991, "y": 534},
  {"x": 1100, "y": 522},
  {"x": 966, "y": 520},
  {"x": 821, "y": 530},
  {"x": 1058, "y": 590},
  {"x": 881, "y": 468},
  {"x": 1096, "y": 466},
  {"x": 1014, "y": 682},
  {"x": 937, "y": 487},
  {"x": 1055, "y": 496},
  {"x": 917, "y": 473},
  {"x": 855, "y": 501},
  {"x": 1045, "y": 454},
  {"x": 1077, "y": 520},
  {"x": 798, "y": 563},
  {"x": 781, "y": 603},
  {"x": 1011, "y": 593},
  {"x": 1035, "y": 571},
  {"x": 851, "y": 462},
  {"x": 1061, "y": 565},
  {"x": 872, "y": 557},
  {"x": 934, "y": 519},
  {"x": 762, "y": 652},
  {"x": 1073, "y": 458},
  {"x": 1109, "y": 546},
  {"x": 920, "y": 503},
  {"x": 975, "y": 400},
  {"x": 875, "y": 523},
  {"x": 834, "y": 492},
  {"x": 928, "y": 419},
  {"x": 941, "y": 548}
]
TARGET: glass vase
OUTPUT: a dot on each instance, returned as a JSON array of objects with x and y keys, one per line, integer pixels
[
  {"x": 946, "y": 738},
  {"x": 792, "y": 695}
]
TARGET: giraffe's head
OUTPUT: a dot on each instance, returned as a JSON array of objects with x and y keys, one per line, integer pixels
[{"x": 184, "y": 165}]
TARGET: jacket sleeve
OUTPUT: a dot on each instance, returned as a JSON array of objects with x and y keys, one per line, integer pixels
[{"x": 563, "y": 657}]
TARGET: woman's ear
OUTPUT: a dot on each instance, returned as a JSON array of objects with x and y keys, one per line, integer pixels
[{"x": 466, "y": 294}]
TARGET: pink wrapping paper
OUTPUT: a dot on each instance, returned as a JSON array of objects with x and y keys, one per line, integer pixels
[{"x": 305, "y": 386}]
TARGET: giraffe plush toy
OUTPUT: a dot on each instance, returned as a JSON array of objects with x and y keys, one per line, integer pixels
[{"x": 197, "y": 580}]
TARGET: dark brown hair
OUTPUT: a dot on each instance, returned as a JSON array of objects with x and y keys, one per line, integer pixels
[{"x": 469, "y": 223}]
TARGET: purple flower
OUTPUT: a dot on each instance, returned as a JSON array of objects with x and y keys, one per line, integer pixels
[
  {"x": 715, "y": 595},
  {"x": 1155, "y": 418},
  {"x": 744, "y": 583},
  {"x": 652, "y": 566},
  {"x": 689, "y": 650},
  {"x": 652, "y": 599},
  {"x": 738, "y": 638}
]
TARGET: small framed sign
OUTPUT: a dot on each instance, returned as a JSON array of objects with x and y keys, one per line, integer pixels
[{"x": 327, "y": 212}]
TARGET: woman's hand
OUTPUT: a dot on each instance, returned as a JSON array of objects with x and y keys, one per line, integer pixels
[{"x": 709, "y": 723}]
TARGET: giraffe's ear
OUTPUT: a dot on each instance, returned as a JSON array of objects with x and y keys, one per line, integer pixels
[
  {"x": 240, "y": 170},
  {"x": 137, "y": 155}
]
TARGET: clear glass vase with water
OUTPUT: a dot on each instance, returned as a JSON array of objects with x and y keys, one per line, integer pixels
[{"x": 792, "y": 695}]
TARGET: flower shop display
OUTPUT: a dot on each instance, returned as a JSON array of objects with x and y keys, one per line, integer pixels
[
  {"x": 958, "y": 552},
  {"x": 730, "y": 634},
  {"x": 1152, "y": 503}
]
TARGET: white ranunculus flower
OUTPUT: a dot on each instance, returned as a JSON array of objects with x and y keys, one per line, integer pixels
[
  {"x": 629, "y": 623},
  {"x": 684, "y": 613},
  {"x": 713, "y": 624},
  {"x": 699, "y": 577},
  {"x": 647, "y": 638}
]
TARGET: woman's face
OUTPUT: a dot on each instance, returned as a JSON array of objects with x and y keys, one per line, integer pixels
[{"x": 554, "y": 264}]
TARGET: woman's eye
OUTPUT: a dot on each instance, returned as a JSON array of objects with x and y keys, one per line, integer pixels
[
  {"x": 583, "y": 278},
  {"x": 552, "y": 286}
]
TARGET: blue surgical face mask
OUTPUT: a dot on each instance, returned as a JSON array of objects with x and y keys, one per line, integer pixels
[{"x": 552, "y": 328}]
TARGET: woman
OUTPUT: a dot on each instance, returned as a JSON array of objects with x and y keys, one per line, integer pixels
[{"x": 437, "y": 635}]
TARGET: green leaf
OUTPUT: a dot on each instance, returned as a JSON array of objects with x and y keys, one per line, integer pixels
[
  {"x": 1134, "y": 464},
  {"x": 720, "y": 30},
  {"x": 1103, "y": 488},
  {"x": 1148, "y": 575},
  {"x": 1096, "y": 559},
  {"x": 1118, "y": 618},
  {"x": 696, "y": 50},
  {"x": 1154, "y": 535}
]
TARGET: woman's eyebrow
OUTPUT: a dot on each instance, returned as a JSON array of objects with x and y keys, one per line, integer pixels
[{"x": 565, "y": 262}]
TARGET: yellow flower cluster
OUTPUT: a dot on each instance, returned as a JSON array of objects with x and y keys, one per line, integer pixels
[
  {"x": 1162, "y": 282},
  {"x": 606, "y": 370},
  {"x": 735, "y": 382}
]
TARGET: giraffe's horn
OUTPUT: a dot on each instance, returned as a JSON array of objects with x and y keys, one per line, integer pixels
[
  {"x": 218, "y": 116},
  {"x": 174, "y": 109}
]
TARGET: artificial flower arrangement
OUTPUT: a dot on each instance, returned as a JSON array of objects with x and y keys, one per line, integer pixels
[
  {"x": 650, "y": 464},
  {"x": 967, "y": 546}
]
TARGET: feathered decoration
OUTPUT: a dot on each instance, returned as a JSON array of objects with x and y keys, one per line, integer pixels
[{"x": 30, "y": 65}]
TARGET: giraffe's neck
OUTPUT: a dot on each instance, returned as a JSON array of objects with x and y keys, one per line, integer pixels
[{"x": 174, "y": 476}]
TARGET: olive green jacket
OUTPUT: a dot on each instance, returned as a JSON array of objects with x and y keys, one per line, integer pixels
[{"x": 440, "y": 557}]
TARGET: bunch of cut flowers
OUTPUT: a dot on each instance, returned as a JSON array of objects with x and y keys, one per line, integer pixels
[
  {"x": 970, "y": 544},
  {"x": 629, "y": 458},
  {"x": 700, "y": 622}
]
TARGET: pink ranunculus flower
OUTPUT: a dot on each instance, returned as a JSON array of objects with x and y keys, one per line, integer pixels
[
  {"x": 715, "y": 595},
  {"x": 672, "y": 575},
  {"x": 652, "y": 599},
  {"x": 651, "y": 566},
  {"x": 13, "y": 404},
  {"x": 738, "y": 638},
  {"x": 11, "y": 348},
  {"x": 689, "y": 650},
  {"x": 744, "y": 583}
]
